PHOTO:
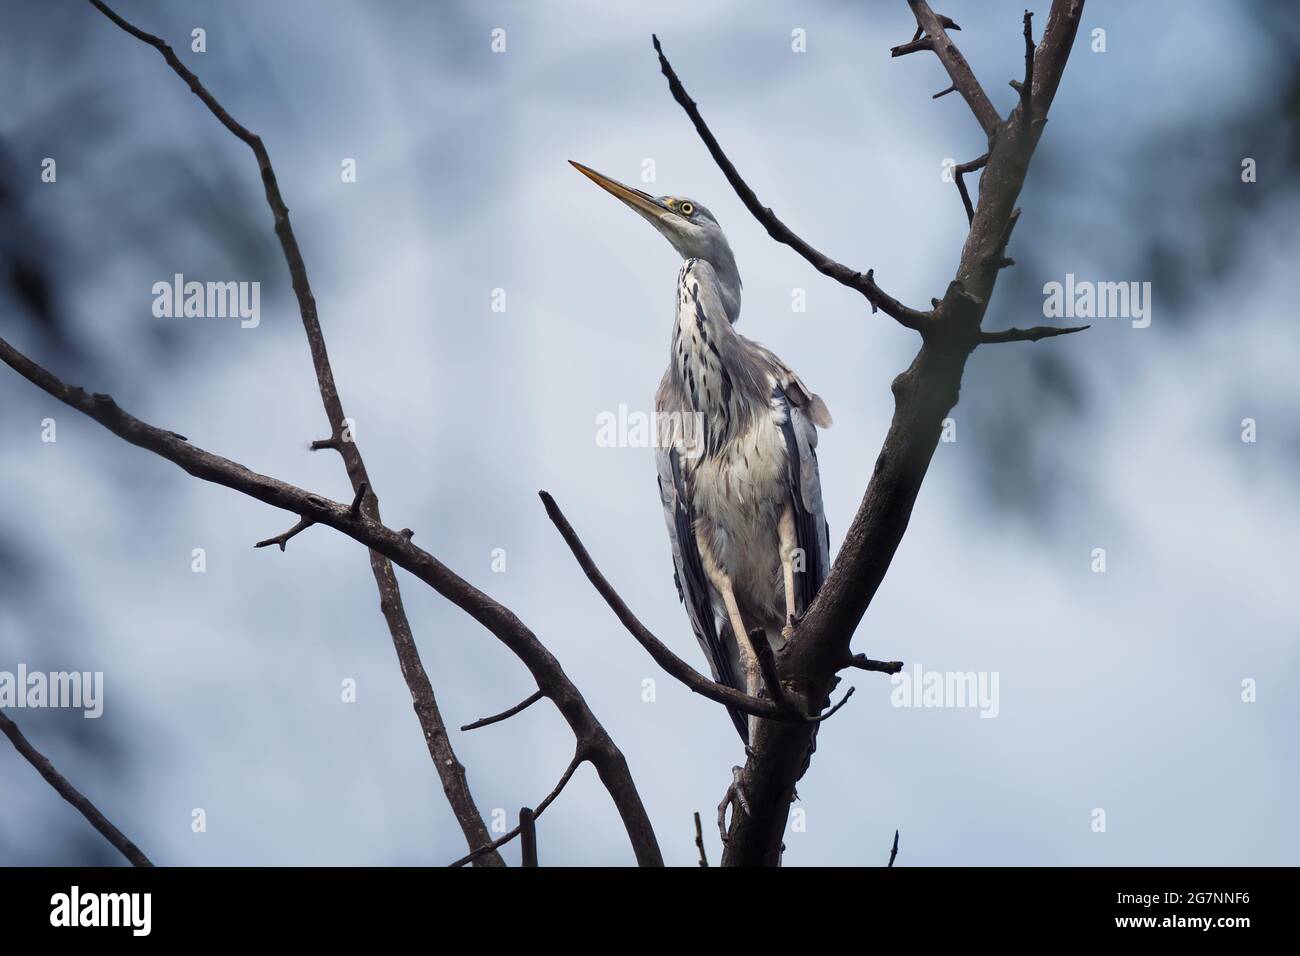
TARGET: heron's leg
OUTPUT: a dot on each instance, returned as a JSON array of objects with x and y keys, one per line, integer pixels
[
  {"x": 789, "y": 545},
  {"x": 748, "y": 659}
]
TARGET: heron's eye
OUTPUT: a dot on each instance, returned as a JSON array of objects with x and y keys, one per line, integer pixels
[{"x": 686, "y": 208}]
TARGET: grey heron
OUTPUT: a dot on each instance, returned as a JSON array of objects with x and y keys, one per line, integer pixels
[{"x": 736, "y": 457}]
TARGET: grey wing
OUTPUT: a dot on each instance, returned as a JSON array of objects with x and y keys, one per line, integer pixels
[
  {"x": 692, "y": 584},
  {"x": 805, "y": 486}
]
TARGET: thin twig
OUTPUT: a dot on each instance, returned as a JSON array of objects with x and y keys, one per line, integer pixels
[
  {"x": 864, "y": 283},
  {"x": 862, "y": 662},
  {"x": 894, "y": 850},
  {"x": 831, "y": 713},
  {"x": 70, "y": 793},
  {"x": 505, "y": 714},
  {"x": 360, "y": 497},
  {"x": 913, "y": 46},
  {"x": 699, "y": 840},
  {"x": 282, "y": 539},
  {"x": 541, "y": 808},
  {"x": 1027, "y": 86},
  {"x": 958, "y": 174},
  {"x": 1028, "y": 335},
  {"x": 665, "y": 658}
]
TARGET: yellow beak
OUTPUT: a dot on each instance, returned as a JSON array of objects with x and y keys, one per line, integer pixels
[{"x": 643, "y": 203}]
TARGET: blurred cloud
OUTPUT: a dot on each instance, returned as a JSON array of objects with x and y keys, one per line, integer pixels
[{"x": 1119, "y": 690}]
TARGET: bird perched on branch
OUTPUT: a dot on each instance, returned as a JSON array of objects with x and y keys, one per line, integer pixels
[{"x": 736, "y": 455}]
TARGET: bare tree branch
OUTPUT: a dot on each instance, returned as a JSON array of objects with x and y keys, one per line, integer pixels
[
  {"x": 914, "y": 46},
  {"x": 862, "y": 282},
  {"x": 451, "y": 772},
  {"x": 70, "y": 793},
  {"x": 893, "y": 852},
  {"x": 959, "y": 70},
  {"x": 1026, "y": 86},
  {"x": 699, "y": 840},
  {"x": 505, "y": 714},
  {"x": 283, "y": 539},
  {"x": 1028, "y": 335},
  {"x": 862, "y": 662},
  {"x": 527, "y": 837},
  {"x": 592, "y": 738},
  {"x": 834, "y": 710},
  {"x": 958, "y": 174},
  {"x": 1053, "y": 52},
  {"x": 662, "y": 655}
]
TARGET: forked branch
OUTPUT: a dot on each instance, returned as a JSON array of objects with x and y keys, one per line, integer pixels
[
  {"x": 592, "y": 739},
  {"x": 451, "y": 773}
]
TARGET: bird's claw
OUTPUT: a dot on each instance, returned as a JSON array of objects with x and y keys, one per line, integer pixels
[
  {"x": 793, "y": 621},
  {"x": 735, "y": 795}
]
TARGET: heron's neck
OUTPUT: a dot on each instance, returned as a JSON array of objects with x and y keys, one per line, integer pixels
[
  {"x": 724, "y": 264},
  {"x": 704, "y": 350}
]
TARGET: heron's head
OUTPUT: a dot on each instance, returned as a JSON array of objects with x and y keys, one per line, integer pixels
[{"x": 692, "y": 229}]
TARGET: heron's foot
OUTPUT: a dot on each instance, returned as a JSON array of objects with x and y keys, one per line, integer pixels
[
  {"x": 735, "y": 796},
  {"x": 793, "y": 621}
]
